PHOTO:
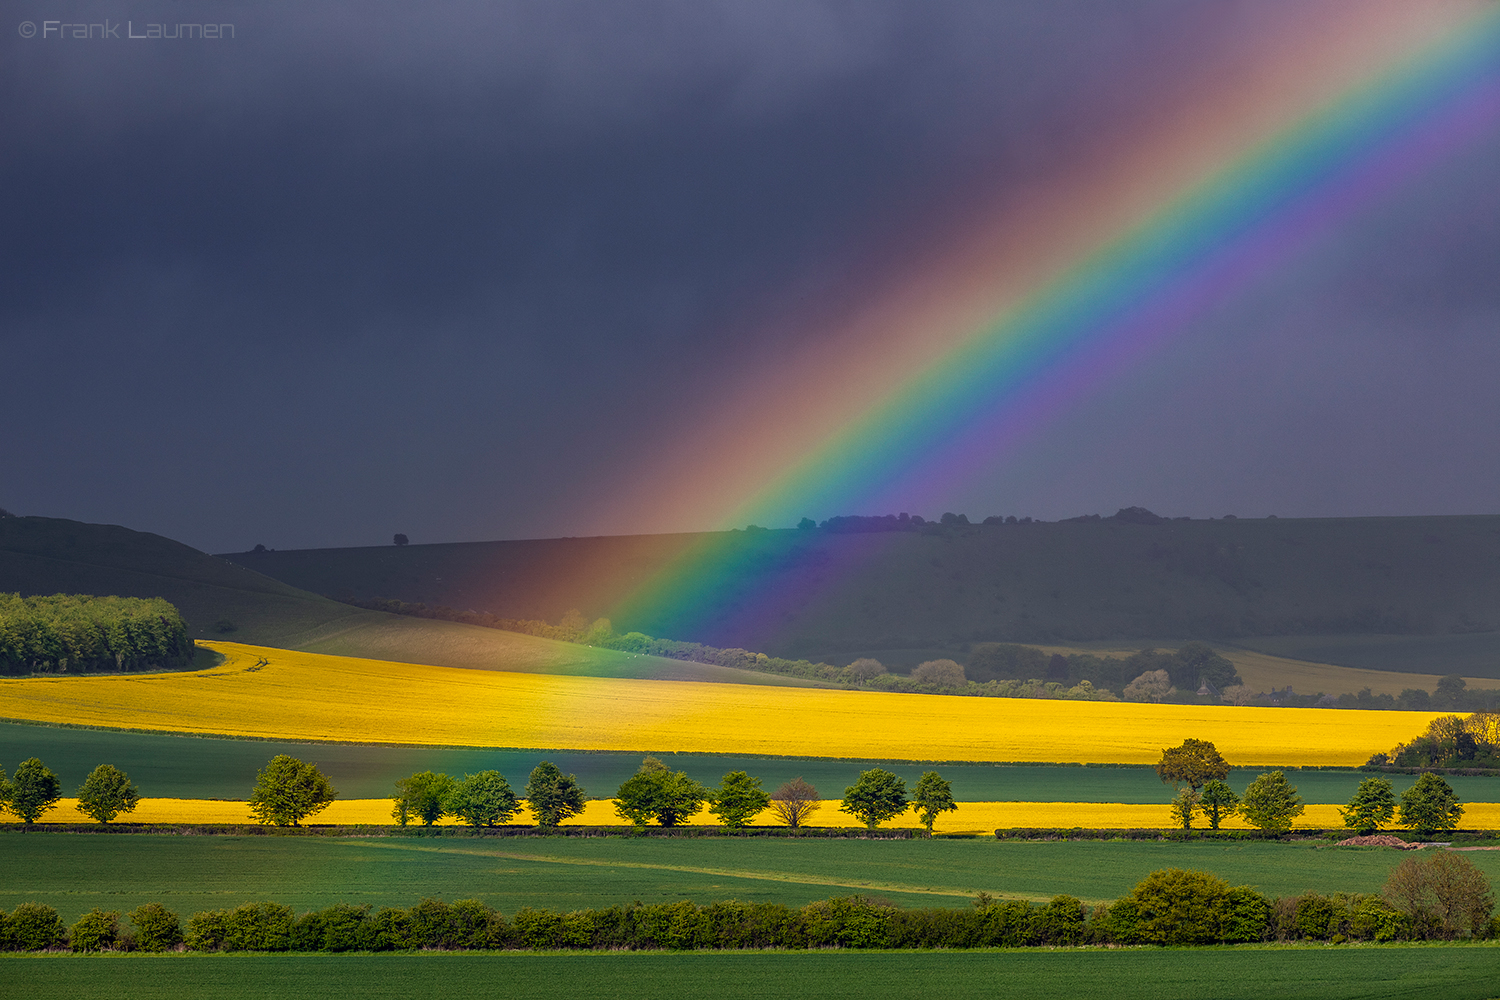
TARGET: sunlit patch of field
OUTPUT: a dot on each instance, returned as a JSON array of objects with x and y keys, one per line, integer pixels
[
  {"x": 273, "y": 693},
  {"x": 970, "y": 817}
]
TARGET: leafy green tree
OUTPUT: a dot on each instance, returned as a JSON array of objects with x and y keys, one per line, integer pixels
[
  {"x": 106, "y": 793},
  {"x": 1192, "y": 764},
  {"x": 423, "y": 796},
  {"x": 34, "y": 927},
  {"x": 1179, "y": 906},
  {"x": 932, "y": 796},
  {"x": 156, "y": 927},
  {"x": 483, "y": 799},
  {"x": 877, "y": 796},
  {"x": 1372, "y": 806},
  {"x": 795, "y": 801},
  {"x": 1271, "y": 802},
  {"x": 96, "y": 930},
  {"x": 1218, "y": 800},
  {"x": 1184, "y": 805},
  {"x": 287, "y": 791},
  {"x": 34, "y": 790},
  {"x": 738, "y": 799},
  {"x": 657, "y": 792},
  {"x": 1430, "y": 804},
  {"x": 552, "y": 795},
  {"x": 6, "y": 791}
]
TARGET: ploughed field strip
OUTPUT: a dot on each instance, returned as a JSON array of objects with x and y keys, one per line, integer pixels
[
  {"x": 166, "y": 766},
  {"x": 76, "y": 872},
  {"x": 1322, "y": 973},
  {"x": 270, "y": 693}
]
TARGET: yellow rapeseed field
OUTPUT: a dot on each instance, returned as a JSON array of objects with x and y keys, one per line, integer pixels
[
  {"x": 970, "y": 817},
  {"x": 280, "y": 694}
]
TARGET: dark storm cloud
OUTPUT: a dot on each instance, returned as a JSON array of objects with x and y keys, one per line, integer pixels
[{"x": 394, "y": 267}]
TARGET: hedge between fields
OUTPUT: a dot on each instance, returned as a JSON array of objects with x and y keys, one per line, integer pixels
[{"x": 1236, "y": 916}]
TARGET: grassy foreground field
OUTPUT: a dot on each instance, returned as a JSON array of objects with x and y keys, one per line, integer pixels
[
  {"x": 1442, "y": 972},
  {"x": 264, "y": 692},
  {"x": 76, "y": 872}
]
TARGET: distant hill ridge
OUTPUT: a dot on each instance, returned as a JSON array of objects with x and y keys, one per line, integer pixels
[
  {"x": 1426, "y": 587},
  {"x": 41, "y": 556}
]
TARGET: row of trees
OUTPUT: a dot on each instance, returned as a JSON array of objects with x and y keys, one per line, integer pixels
[
  {"x": 656, "y": 793},
  {"x": 1450, "y": 741},
  {"x": 105, "y": 794},
  {"x": 993, "y": 669},
  {"x": 573, "y": 627},
  {"x": 76, "y": 633},
  {"x": 1445, "y": 897},
  {"x": 1271, "y": 802}
]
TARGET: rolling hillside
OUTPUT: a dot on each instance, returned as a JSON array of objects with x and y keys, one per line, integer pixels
[
  {"x": 41, "y": 555},
  {"x": 1417, "y": 595}
]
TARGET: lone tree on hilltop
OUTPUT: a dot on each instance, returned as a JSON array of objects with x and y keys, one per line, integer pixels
[
  {"x": 288, "y": 790},
  {"x": 483, "y": 799},
  {"x": 106, "y": 793},
  {"x": 932, "y": 796},
  {"x": 1427, "y": 806},
  {"x": 657, "y": 792},
  {"x": 1271, "y": 802},
  {"x": 400, "y": 539},
  {"x": 877, "y": 796},
  {"x": 738, "y": 799},
  {"x": 1218, "y": 800},
  {"x": 1192, "y": 764},
  {"x": 795, "y": 801},
  {"x": 552, "y": 795},
  {"x": 424, "y": 796},
  {"x": 34, "y": 790},
  {"x": 1372, "y": 806}
]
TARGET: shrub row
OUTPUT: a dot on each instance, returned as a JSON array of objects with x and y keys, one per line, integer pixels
[{"x": 1168, "y": 907}]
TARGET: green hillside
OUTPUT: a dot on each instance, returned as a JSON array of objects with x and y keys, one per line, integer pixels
[
  {"x": 40, "y": 555},
  {"x": 1414, "y": 594}
]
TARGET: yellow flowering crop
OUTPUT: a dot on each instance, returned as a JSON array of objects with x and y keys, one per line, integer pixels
[
  {"x": 281, "y": 694},
  {"x": 970, "y": 817}
]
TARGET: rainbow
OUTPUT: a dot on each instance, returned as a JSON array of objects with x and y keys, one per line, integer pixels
[{"x": 1044, "y": 301}]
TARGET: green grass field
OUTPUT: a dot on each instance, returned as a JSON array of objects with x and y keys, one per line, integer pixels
[
  {"x": 1447, "y": 972},
  {"x": 192, "y": 767},
  {"x": 76, "y": 872}
]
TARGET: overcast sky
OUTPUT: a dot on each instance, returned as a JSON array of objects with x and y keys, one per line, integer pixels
[{"x": 390, "y": 267}]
